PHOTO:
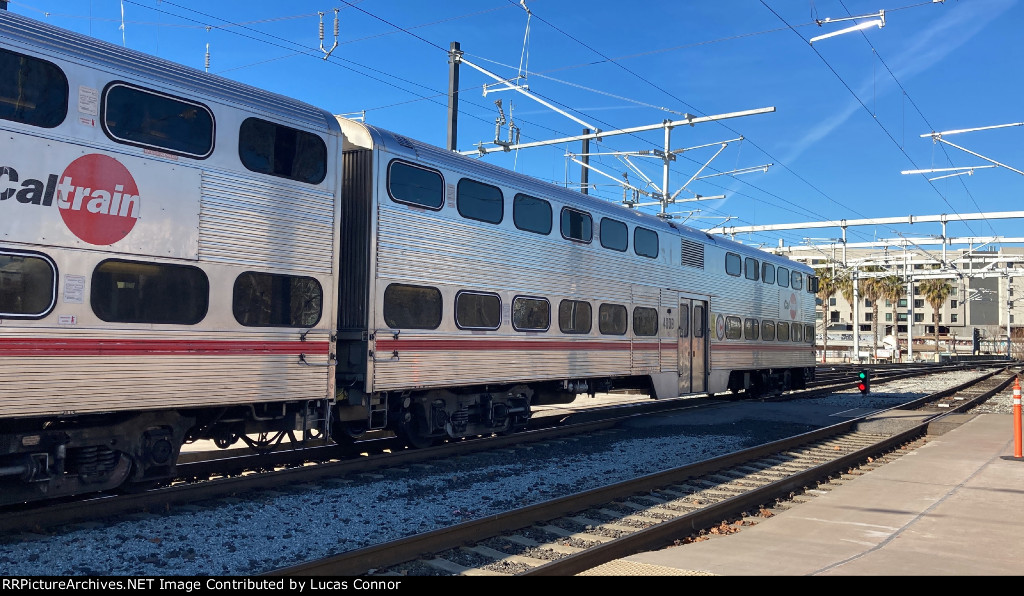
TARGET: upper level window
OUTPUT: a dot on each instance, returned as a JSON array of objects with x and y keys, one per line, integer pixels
[
  {"x": 267, "y": 300},
  {"x": 531, "y": 314},
  {"x": 813, "y": 283},
  {"x": 750, "y": 268},
  {"x": 768, "y": 273},
  {"x": 482, "y": 202},
  {"x": 577, "y": 225},
  {"x": 645, "y": 321},
  {"x": 476, "y": 310},
  {"x": 32, "y": 91},
  {"x": 575, "y": 316},
  {"x": 282, "y": 151},
  {"x": 155, "y": 293},
  {"x": 612, "y": 319},
  {"x": 412, "y": 307},
  {"x": 645, "y": 242},
  {"x": 783, "y": 277},
  {"x": 28, "y": 285},
  {"x": 798, "y": 281},
  {"x": 614, "y": 234},
  {"x": 733, "y": 264},
  {"x": 146, "y": 118},
  {"x": 531, "y": 214},
  {"x": 415, "y": 185}
]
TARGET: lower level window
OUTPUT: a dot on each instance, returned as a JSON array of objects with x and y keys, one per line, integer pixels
[
  {"x": 412, "y": 307},
  {"x": 28, "y": 285},
  {"x": 266, "y": 300},
  {"x": 155, "y": 293},
  {"x": 531, "y": 314}
]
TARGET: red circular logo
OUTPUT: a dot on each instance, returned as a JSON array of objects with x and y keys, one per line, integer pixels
[
  {"x": 98, "y": 199},
  {"x": 792, "y": 305}
]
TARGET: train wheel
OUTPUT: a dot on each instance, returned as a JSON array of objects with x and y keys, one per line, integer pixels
[
  {"x": 411, "y": 434},
  {"x": 347, "y": 432}
]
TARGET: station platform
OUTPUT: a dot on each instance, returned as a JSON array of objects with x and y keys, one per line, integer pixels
[{"x": 951, "y": 507}]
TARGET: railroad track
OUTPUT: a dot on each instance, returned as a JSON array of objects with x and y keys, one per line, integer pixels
[
  {"x": 569, "y": 535},
  {"x": 205, "y": 476}
]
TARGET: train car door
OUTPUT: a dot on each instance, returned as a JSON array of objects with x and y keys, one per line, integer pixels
[{"x": 692, "y": 345}]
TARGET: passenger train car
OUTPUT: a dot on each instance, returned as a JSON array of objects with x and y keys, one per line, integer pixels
[{"x": 184, "y": 257}]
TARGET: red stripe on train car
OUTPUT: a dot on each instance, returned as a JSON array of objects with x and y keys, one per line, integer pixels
[
  {"x": 151, "y": 347},
  {"x": 461, "y": 345}
]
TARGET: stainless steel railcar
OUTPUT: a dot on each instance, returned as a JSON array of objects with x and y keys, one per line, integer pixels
[
  {"x": 183, "y": 257},
  {"x": 469, "y": 293}
]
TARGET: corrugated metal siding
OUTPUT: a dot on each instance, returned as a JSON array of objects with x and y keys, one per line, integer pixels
[{"x": 252, "y": 222}]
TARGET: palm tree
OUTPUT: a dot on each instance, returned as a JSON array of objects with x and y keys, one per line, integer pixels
[
  {"x": 935, "y": 292},
  {"x": 871, "y": 289},
  {"x": 893, "y": 289},
  {"x": 829, "y": 281}
]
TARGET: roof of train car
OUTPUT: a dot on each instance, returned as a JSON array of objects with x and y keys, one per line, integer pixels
[
  {"x": 360, "y": 134},
  {"x": 17, "y": 30}
]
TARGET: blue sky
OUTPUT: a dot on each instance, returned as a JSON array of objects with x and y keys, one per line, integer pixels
[{"x": 849, "y": 110}]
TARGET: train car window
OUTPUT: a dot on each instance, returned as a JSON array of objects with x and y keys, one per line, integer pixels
[
  {"x": 698, "y": 321},
  {"x": 28, "y": 285},
  {"x": 798, "y": 281},
  {"x": 412, "y": 307},
  {"x": 476, "y": 310},
  {"x": 796, "y": 332},
  {"x": 750, "y": 329},
  {"x": 750, "y": 268},
  {"x": 531, "y": 214},
  {"x": 481, "y": 202},
  {"x": 768, "y": 330},
  {"x": 145, "y": 118},
  {"x": 684, "y": 321},
  {"x": 267, "y": 300},
  {"x": 782, "y": 331},
  {"x": 768, "y": 273},
  {"x": 282, "y": 151},
  {"x": 783, "y": 277},
  {"x": 614, "y": 234},
  {"x": 154, "y": 293},
  {"x": 645, "y": 321},
  {"x": 733, "y": 264},
  {"x": 531, "y": 314},
  {"x": 414, "y": 185},
  {"x": 645, "y": 242},
  {"x": 812, "y": 284},
  {"x": 809, "y": 334},
  {"x": 575, "y": 316},
  {"x": 32, "y": 91},
  {"x": 733, "y": 328},
  {"x": 612, "y": 319},
  {"x": 577, "y": 225}
]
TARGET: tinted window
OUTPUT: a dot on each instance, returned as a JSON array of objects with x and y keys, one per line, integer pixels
[
  {"x": 575, "y": 316},
  {"x": 415, "y": 186},
  {"x": 132, "y": 292},
  {"x": 28, "y": 285},
  {"x": 733, "y": 264},
  {"x": 612, "y": 319},
  {"x": 699, "y": 321},
  {"x": 645, "y": 321},
  {"x": 266, "y": 300},
  {"x": 768, "y": 273},
  {"x": 798, "y": 281},
  {"x": 768, "y": 330},
  {"x": 797, "y": 332},
  {"x": 531, "y": 214},
  {"x": 32, "y": 91},
  {"x": 478, "y": 201},
  {"x": 782, "y": 331},
  {"x": 812, "y": 284},
  {"x": 531, "y": 314},
  {"x": 277, "y": 150},
  {"x": 576, "y": 225},
  {"x": 412, "y": 307},
  {"x": 645, "y": 242},
  {"x": 750, "y": 329},
  {"x": 151, "y": 119},
  {"x": 750, "y": 268},
  {"x": 809, "y": 334},
  {"x": 783, "y": 277},
  {"x": 733, "y": 328},
  {"x": 684, "y": 321},
  {"x": 614, "y": 234},
  {"x": 477, "y": 311}
]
